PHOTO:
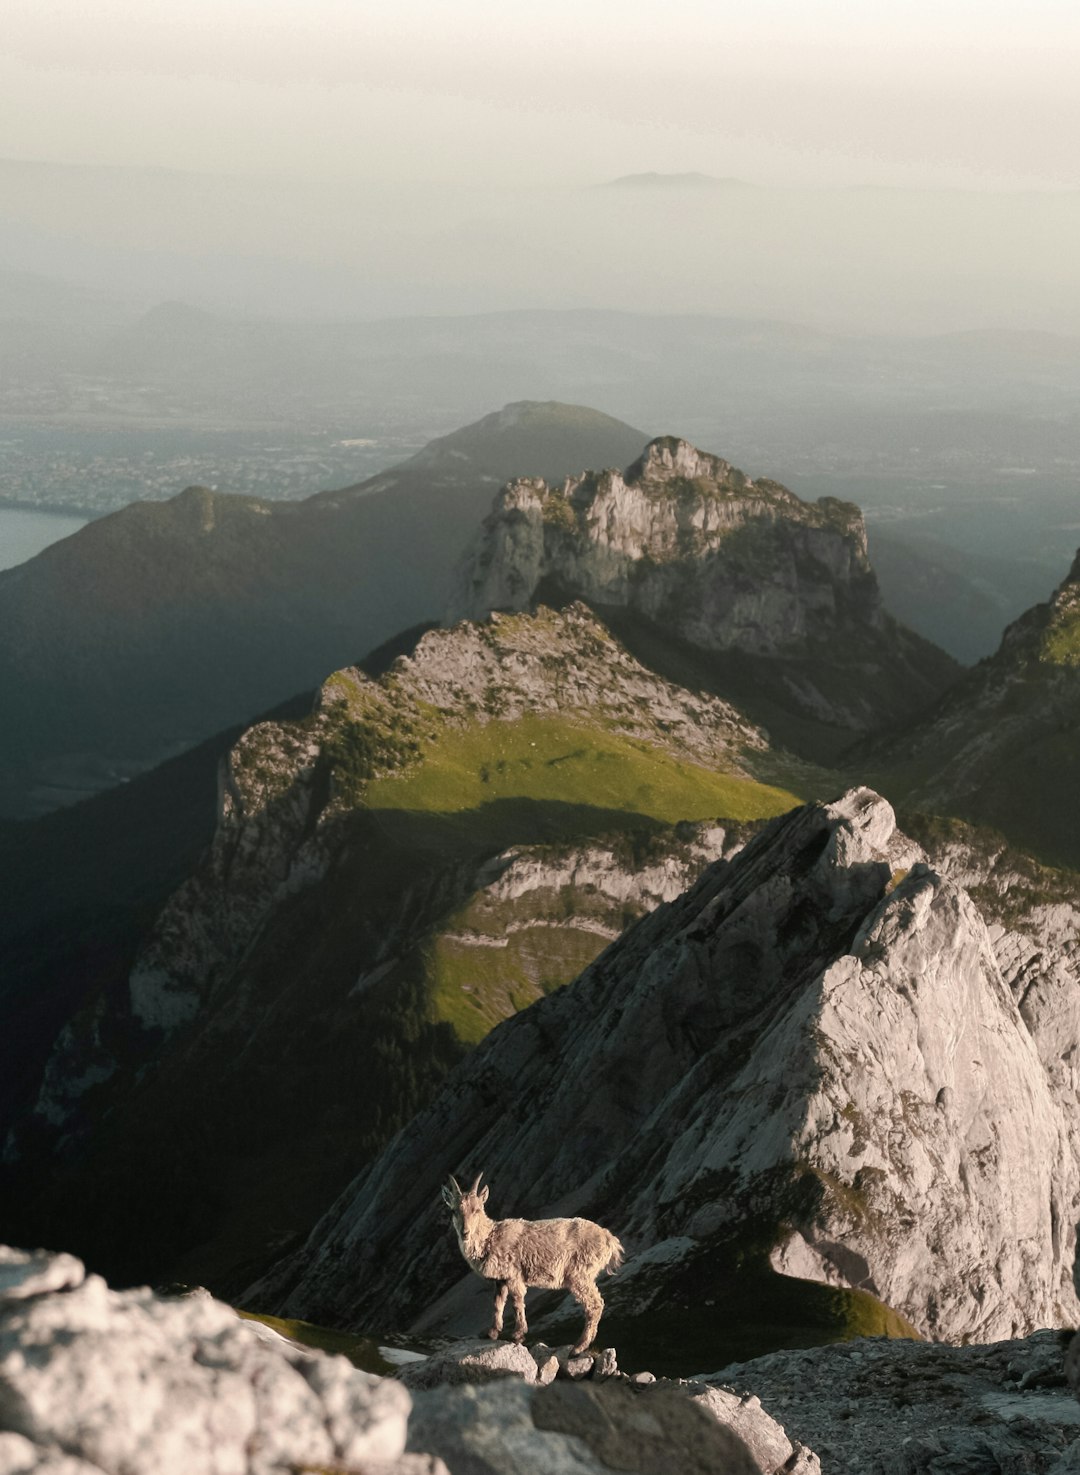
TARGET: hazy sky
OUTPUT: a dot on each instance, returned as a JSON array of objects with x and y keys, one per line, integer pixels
[{"x": 977, "y": 93}]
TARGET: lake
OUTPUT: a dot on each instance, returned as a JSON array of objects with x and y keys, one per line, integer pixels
[{"x": 24, "y": 533}]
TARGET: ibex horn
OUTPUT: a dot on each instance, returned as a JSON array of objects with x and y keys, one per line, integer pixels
[
  {"x": 456, "y": 1186},
  {"x": 476, "y": 1185}
]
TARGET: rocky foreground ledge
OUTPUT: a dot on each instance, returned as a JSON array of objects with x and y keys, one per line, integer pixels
[{"x": 101, "y": 1382}]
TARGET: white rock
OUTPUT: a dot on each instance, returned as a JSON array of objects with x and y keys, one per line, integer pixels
[
  {"x": 134, "y": 1384},
  {"x": 25, "y": 1273}
]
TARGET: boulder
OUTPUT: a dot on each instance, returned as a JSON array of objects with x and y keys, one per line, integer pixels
[
  {"x": 100, "y": 1382},
  {"x": 471, "y": 1362},
  {"x": 573, "y": 1428}
]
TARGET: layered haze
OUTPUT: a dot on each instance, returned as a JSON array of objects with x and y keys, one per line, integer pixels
[{"x": 848, "y": 169}]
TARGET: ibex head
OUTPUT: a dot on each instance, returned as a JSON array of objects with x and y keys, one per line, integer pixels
[{"x": 465, "y": 1207}]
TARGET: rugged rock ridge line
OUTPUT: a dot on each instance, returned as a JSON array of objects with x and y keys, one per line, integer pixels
[
  {"x": 1001, "y": 748},
  {"x": 723, "y": 562},
  {"x": 813, "y": 1054}
]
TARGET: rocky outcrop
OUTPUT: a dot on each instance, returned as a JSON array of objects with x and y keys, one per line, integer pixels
[
  {"x": 811, "y": 1063},
  {"x": 577, "y": 1429},
  {"x": 626, "y": 1422},
  {"x": 99, "y": 1382},
  {"x": 726, "y": 564},
  {"x": 1001, "y": 748}
]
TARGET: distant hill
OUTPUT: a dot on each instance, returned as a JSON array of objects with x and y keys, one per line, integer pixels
[
  {"x": 692, "y": 180},
  {"x": 150, "y": 629}
]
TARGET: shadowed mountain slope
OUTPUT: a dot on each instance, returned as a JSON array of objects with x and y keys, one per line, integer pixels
[{"x": 1003, "y": 747}]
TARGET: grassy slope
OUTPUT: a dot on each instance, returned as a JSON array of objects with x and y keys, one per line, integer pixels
[
  {"x": 571, "y": 762},
  {"x": 541, "y": 778}
]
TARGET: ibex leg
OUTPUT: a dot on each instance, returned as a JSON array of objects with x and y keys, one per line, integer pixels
[
  {"x": 500, "y": 1303},
  {"x": 521, "y": 1326},
  {"x": 592, "y": 1303}
]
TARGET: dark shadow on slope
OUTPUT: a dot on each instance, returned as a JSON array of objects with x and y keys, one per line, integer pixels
[
  {"x": 317, "y": 1049},
  {"x": 83, "y": 885}
]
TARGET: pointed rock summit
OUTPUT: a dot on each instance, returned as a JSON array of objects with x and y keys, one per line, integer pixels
[
  {"x": 731, "y": 566},
  {"x": 816, "y": 1065}
]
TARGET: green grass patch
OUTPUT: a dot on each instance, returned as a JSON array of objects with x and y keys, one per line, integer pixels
[
  {"x": 362, "y": 1352},
  {"x": 1061, "y": 642},
  {"x": 475, "y": 987},
  {"x": 555, "y": 759}
]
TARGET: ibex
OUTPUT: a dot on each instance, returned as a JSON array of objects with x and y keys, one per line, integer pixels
[{"x": 557, "y": 1254}]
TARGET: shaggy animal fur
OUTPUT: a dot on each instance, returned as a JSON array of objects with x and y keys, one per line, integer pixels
[{"x": 557, "y": 1254}]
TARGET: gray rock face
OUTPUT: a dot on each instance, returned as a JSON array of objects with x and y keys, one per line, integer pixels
[
  {"x": 678, "y": 513},
  {"x": 876, "y": 1407},
  {"x": 819, "y": 1034},
  {"x": 723, "y": 562},
  {"x": 623, "y": 1423},
  {"x": 128, "y": 1383},
  {"x": 471, "y": 1362},
  {"x": 575, "y": 1429}
]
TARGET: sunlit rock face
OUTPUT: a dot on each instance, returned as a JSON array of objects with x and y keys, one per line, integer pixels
[
  {"x": 729, "y": 565},
  {"x": 686, "y": 539},
  {"x": 101, "y": 1382},
  {"x": 821, "y": 1047}
]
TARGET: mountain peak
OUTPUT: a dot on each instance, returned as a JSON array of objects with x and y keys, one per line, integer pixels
[
  {"x": 668, "y": 456},
  {"x": 718, "y": 561}
]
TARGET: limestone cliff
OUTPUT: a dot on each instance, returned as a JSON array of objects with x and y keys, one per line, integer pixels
[
  {"x": 729, "y": 565},
  {"x": 820, "y": 1061}
]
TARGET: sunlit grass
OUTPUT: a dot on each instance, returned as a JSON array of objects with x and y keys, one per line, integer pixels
[{"x": 571, "y": 762}]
